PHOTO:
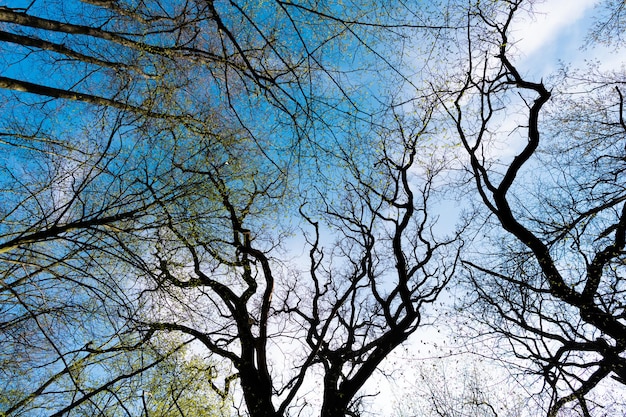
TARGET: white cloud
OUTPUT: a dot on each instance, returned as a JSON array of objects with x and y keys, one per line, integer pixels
[{"x": 548, "y": 22}]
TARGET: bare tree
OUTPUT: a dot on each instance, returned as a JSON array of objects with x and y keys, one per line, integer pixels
[
  {"x": 468, "y": 386},
  {"x": 552, "y": 272},
  {"x": 358, "y": 299}
]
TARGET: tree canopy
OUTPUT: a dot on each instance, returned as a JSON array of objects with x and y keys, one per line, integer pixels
[{"x": 237, "y": 207}]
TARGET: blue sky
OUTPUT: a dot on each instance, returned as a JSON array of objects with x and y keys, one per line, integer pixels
[{"x": 555, "y": 32}]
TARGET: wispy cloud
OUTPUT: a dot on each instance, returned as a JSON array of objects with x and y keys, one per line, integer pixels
[
  {"x": 550, "y": 20},
  {"x": 553, "y": 32}
]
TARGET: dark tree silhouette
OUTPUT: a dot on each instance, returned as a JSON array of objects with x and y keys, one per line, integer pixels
[
  {"x": 552, "y": 273},
  {"x": 155, "y": 154}
]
